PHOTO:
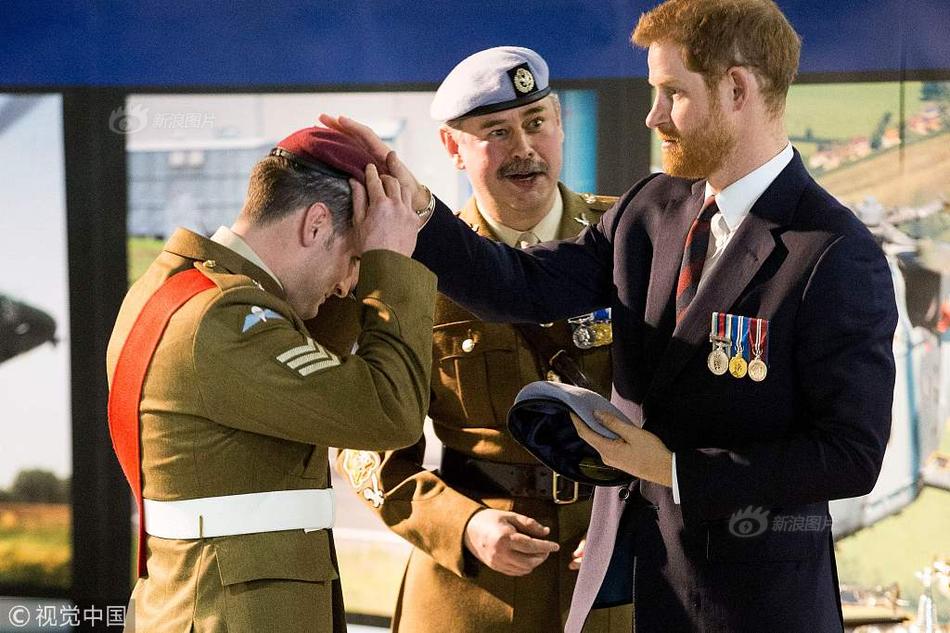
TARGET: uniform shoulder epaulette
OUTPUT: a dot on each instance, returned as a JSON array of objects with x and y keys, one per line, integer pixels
[
  {"x": 598, "y": 203},
  {"x": 224, "y": 279}
]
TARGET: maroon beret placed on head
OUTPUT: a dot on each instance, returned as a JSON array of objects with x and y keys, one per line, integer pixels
[{"x": 327, "y": 151}]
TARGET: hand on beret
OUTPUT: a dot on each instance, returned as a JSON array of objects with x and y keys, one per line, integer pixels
[
  {"x": 363, "y": 136},
  {"x": 382, "y": 214},
  {"x": 634, "y": 451},
  {"x": 329, "y": 151}
]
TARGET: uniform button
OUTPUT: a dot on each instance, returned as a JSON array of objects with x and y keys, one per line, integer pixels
[
  {"x": 624, "y": 494},
  {"x": 210, "y": 263},
  {"x": 468, "y": 345},
  {"x": 552, "y": 376}
]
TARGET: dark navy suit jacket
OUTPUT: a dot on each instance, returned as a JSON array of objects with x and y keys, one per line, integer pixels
[{"x": 770, "y": 453}]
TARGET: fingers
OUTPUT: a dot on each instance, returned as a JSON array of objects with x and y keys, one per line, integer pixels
[
  {"x": 596, "y": 440},
  {"x": 391, "y": 185},
  {"x": 375, "y": 188},
  {"x": 407, "y": 197},
  {"x": 526, "y": 564},
  {"x": 528, "y": 526},
  {"x": 578, "y": 556},
  {"x": 362, "y": 134},
  {"x": 579, "y": 551},
  {"x": 330, "y": 121},
  {"x": 359, "y": 201},
  {"x": 615, "y": 424},
  {"x": 524, "y": 544}
]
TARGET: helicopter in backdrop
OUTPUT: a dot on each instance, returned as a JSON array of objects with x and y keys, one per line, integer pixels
[
  {"x": 920, "y": 269},
  {"x": 23, "y": 327}
]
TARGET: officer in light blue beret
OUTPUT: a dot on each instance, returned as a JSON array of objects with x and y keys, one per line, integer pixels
[{"x": 498, "y": 535}]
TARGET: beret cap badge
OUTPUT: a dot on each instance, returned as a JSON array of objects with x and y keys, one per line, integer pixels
[{"x": 523, "y": 80}]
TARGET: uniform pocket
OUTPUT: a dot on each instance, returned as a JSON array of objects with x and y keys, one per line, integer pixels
[
  {"x": 291, "y": 555},
  {"x": 279, "y": 606},
  {"x": 478, "y": 367}
]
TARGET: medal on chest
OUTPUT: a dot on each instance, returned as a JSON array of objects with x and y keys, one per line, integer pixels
[
  {"x": 592, "y": 330},
  {"x": 718, "y": 360},
  {"x": 757, "y": 367},
  {"x": 737, "y": 364}
]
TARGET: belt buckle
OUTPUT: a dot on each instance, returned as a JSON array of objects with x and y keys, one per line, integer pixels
[{"x": 554, "y": 495}]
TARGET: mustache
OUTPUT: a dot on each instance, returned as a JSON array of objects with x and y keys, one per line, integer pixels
[
  {"x": 667, "y": 133},
  {"x": 522, "y": 167}
]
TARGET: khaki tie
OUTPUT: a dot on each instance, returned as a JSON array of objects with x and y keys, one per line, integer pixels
[{"x": 527, "y": 239}]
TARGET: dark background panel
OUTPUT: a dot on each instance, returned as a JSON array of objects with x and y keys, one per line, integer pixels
[
  {"x": 96, "y": 218},
  {"x": 302, "y": 42}
]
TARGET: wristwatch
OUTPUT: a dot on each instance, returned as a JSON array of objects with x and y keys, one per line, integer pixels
[{"x": 427, "y": 210}]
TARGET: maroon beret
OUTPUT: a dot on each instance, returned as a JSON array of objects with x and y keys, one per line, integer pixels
[{"x": 327, "y": 151}]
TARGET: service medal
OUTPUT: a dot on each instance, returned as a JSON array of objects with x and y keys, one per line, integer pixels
[
  {"x": 583, "y": 337},
  {"x": 737, "y": 365},
  {"x": 718, "y": 361},
  {"x": 591, "y": 330},
  {"x": 757, "y": 367},
  {"x": 757, "y": 370}
]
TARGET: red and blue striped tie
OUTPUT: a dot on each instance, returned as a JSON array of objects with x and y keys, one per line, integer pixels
[{"x": 694, "y": 256}]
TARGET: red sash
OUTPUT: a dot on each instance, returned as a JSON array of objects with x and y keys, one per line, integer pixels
[{"x": 130, "y": 370}]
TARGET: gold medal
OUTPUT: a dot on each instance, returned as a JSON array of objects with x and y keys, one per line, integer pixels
[
  {"x": 757, "y": 370},
  {"x": 737, "y": 365},
  {"x": 592, "y": 330}
]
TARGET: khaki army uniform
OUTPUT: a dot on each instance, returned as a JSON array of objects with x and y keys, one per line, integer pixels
[
  {"x": 478, "y": 368},
  {"x": 226, "y": 411}
]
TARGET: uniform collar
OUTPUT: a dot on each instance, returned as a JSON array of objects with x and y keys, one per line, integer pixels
[
  {"x": 229, "y": 239},
  {"x": 546, "y": 229},
  {"x": 735, "y": 200},
  {"x": 190, "y": 245}
]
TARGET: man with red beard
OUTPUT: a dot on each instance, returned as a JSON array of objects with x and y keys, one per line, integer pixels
[
  {"x": 753, "y": 321},
  {"x": 493, "y": 529}
]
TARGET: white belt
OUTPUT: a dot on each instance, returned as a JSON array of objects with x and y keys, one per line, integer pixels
[{"x": 230, "y": 515}]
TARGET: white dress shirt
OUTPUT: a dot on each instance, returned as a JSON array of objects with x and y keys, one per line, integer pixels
[{"x": 734, "y": 203}]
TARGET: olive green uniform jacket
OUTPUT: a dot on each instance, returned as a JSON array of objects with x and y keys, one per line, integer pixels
[
  {"x": 478, "y": 368},
  {"x": 225, "y": 412}
]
